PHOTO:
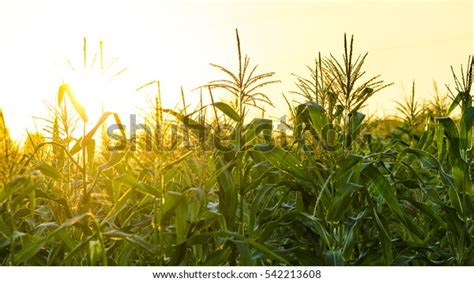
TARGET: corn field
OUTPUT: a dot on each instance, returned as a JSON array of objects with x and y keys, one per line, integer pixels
[{"x": 213, "y": 184}]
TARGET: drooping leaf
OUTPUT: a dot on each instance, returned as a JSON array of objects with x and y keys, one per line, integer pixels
[
  {"x": 48, "y": 170},
  {"x": 227, "y": 110},
  {"x": 66, "y": 89}
]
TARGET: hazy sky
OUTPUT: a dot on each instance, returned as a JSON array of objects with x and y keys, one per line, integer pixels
[{"x": 174, "y": 41}]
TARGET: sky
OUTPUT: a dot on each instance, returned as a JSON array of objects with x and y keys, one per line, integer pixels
[{"x": 174, "y": 42}]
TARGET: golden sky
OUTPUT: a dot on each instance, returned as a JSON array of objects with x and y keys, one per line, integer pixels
[{"x": 174, "y": 41}]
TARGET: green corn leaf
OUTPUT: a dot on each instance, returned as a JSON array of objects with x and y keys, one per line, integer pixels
[
  {"x": 384, "y": 236},
  {"x": 314, "y": 113},
  {"x": 382, "y": 185},
  {"x": 135, "y": 240},
  {"x": 227, "y": 110},
  {"x": 37, "y": 244},
  {"x": 356, "y": 122},
  {"x": 114, "y": 159},
  {"x": 257, "y": 126},
  {"x": 258, "y": 246},
  {"x": 48, "y": 170},
  {"x": 451, "y": 132},
  {"x": 172, "y": 201},
  {"x": 333, "y": 258},
  {"x": 283, "y": 160},
  {"x": 139, "y": 186},
  {"x": 465, "y": 128}
]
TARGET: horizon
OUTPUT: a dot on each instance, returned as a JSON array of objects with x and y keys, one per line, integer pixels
[{"x": 174, "y": 42}]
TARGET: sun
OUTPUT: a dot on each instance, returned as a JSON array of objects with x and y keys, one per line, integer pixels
[
  {"x": 92, "y": 91},
  {"x": 96, "y": 83}
]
